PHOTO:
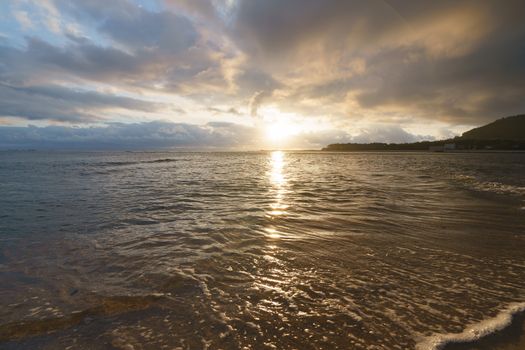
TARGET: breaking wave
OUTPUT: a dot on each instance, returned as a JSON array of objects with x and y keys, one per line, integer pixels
[{"x": 475, "y": 331}]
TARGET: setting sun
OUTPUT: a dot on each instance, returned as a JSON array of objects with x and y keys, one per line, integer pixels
[
  {"x": 282, "y": 128},
  {"x": 280, "y": 132}
]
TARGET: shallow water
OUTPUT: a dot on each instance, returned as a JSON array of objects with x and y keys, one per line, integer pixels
[{"x": 277, "y": 250}]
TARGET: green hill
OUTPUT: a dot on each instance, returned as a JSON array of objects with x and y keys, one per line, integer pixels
[{"x": 509, "y": 128}]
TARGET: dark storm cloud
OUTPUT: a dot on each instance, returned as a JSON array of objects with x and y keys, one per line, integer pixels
[
  {"x": 63, "y": 104},
  {"x": 128, "y": 136}
]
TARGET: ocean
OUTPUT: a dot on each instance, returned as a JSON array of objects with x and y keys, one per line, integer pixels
[{"x": 259, "y": 250}]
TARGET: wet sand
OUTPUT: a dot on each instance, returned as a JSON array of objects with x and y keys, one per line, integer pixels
[{"x": 510, "y": 338}]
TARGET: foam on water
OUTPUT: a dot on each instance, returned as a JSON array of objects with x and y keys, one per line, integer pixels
[
  {"x": 491, "y": 186},
  {"x": 475, "y": 331},
  {"x": 266, "y": 250}
]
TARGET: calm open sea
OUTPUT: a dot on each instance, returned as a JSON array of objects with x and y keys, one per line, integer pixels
[{"x": 264, "y": 250}]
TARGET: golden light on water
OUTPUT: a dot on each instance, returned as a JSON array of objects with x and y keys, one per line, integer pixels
[
  {"x": 277, "y": 164},
  {"x": 278, "y": 190},
  {"x": 272, "y": 233}
]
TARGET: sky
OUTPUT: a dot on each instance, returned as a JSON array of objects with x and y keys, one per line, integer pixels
[{"x": 252, "y": 74}]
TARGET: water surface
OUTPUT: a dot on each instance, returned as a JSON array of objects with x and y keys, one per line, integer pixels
[{"x": 276, "y": 250}]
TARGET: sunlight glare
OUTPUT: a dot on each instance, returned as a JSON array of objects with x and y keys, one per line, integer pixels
[
  {"x": 279, "y": 131},
  {"x": 278, "y": 181}
]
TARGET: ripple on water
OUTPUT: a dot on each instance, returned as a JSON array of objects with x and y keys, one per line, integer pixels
[{"x": 280, "y": 250}]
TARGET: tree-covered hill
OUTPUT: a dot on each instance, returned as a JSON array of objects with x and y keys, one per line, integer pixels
[{"x": 510, "y": 128}]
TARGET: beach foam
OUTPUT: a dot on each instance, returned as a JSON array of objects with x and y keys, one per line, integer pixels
[
  {"x": 475, "y": 331},
  {"x": 490, "y": 186}
]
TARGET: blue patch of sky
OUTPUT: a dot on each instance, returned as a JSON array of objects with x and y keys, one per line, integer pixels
[
  {"x": 14, "y": 33},
  {"x": 11, "y": 31},
  {"x": 150, "y": 5},
  {"x": 226, "y": 9},
  {"x": 17, "y": 33}
]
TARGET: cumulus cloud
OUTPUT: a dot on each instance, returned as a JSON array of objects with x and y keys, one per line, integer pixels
[
  {"x": 64, "y": 104},
  {"x": 257, "y": 100},
  {"x": 231, "y": 110},
  {"x": 453, "y": 62},
  {"x": 388, "y": 134},
  {"x": 393, "y": 62},
  {"x": 165, "y": 32},
  {"x": 148, "y": 135},
  {"x": 24, "y": 20},
  {"x": 41, "y": 61}
]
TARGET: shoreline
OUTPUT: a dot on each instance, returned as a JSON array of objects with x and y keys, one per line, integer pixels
[
  {"x": 505, "y": 331},
  {"x": 509, "y": 338}
]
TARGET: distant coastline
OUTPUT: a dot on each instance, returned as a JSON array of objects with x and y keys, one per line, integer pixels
[
  {"x": 453, "y": 145},
  {"x": 505, "y": 134}
]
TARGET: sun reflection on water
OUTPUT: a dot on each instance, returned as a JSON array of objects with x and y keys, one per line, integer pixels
[
  {"x": 278, "y": 190},
  {"x": 276, "y": 172}
]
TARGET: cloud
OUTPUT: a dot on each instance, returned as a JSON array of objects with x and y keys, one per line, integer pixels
[
  {"x": 388, "y": 134},
  {"x": 157, "y": 135},
  {"x": 231, "y": 110},
  {"x": 319, "y": 139},
  {"x": 150, "y": 135},
  {"x": 160, "y": 134},
  {"x": 473, "y": 88},
  {"x": 41, "y": 60},
  {"x": 458, "y": 63},
  {"x": 347, "y": 61},
  {"x": 64, "y": 104},
  {"x": 24, "y": 20},
  {"x": 204, "y": 8},
  {"x": 257, "y": 100},
  {"x": 270, "y": 27},
  {"x": 164, "y": 32}
]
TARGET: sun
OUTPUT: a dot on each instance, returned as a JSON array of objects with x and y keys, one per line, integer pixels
[
  {"x": 280, "y": 127},
  {"x": 279, "y": 131},
  {"x": 283, "y": 129}
]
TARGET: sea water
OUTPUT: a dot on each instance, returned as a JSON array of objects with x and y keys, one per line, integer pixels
[{"x": 260, "y": 250}]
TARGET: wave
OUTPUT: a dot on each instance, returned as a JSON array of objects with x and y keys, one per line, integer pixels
[
  {"x": 166, "y": 160},
  {"x": 490, "y": 186},
  {"x": 473, "y": 332},
  {"x": 124, "y": 163}
]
